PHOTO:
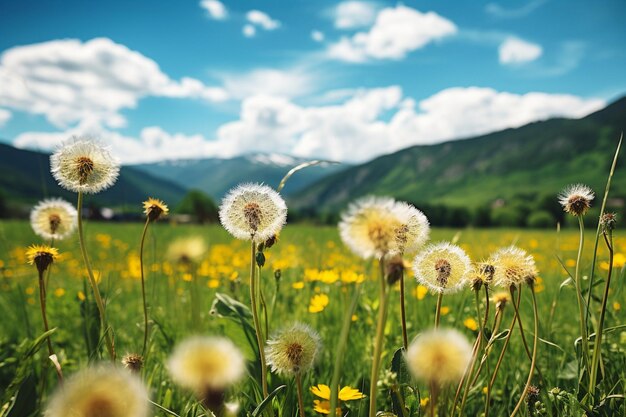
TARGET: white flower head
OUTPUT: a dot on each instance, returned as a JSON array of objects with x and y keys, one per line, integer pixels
[
  {"x": 83, "y": 164},
  {"x": 513, "y": 267},
  {"x": 369, "y": 225},
  {"x": 100, "y": 391},
  {"x": 442, "y": 267},
  {"x": 293, "y": 350},
  {"x": 53, "y": 218},
  {"x": 204, "y": 364},
  {"x": 253, "y": 212},
  {"x": 576, "y": 199},
  {"x": 412, "y": 231}
]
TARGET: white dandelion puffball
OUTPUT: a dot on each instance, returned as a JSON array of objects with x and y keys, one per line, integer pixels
[
  {"x": 442, "y": 267},
  {"x": 513, "y": 266},
  {"x": 412, "y": 231},
  {"x": 576, "y": 199},
  {"x": 103, "y": 391},
  {"x": 53, "y": 218},
  {"x": 439, "y": 356},
  {"x": 253, "y": 212},
  {"x": 84, "y": 165},
  {"x": 369, "y": 227},
  {"x": 293, "y": 350},
  {"x": 206, "y": 364}
]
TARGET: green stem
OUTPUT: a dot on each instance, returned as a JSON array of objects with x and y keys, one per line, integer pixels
[
  {"x": 92, "y": 280},
  {"x": 42, "y": 304},
  {"x": 438, "y": 309},
  {"x": 299, "y": 390},
  {"x": 579, "y": 296},
  {"x": 340, "y": 349},
  {"x": 255, "y": 318},
  {"x": 378, "y": 341},
  {"x": 483, "y": 360},
  {"x": 143, "y": 289},
  {"x": 534, "y": 357},
  {"x": 405, "y": 339},
  {"x": 598, "y": 342}
]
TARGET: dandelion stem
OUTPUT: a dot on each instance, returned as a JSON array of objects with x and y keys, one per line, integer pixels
[
  {"x": 534, "y": 357},
  {"x": 579, "y": 296},
  {"x": 405, "y": 339},
  {"x": 483, "y": 360},
  {"x": 378, "y": 341},
  {"x": 255, "y": 318},
  {"x": 143, "y": 289},
  {"x": 42, "y": 303},
  {"x": 598, "y": 342},
  {"x": 92, "y": 279},
  {"x": 506, "y": 344},
  {"x": 438, "y": 309},
  {"x": 47, "y": 283},
  {"x": 300, "y": 399},
  {"x": 524, "y": 342}
]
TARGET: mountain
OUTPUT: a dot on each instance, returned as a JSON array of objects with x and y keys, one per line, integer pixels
[
  {"x": 216, "y": 176},
  {"x": 538, "y": 158},
  {"x": 25, "y": 177}
]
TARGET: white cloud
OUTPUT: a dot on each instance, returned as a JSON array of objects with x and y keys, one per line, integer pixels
[
  {"x": 68, "y": 81},
  {"x": 215, "y": 9},
  {"x": 396, "y": 32},
  {"x": 317, "y": 36},
  {"x": 518, "y": 51},
  {"x": 498, "y": 11},
  {"x": 354, "y": 14},
  {"x": 267, "y": 81},
  {"x": 248, "y": 31},
  {"x": 5, "y": 116},
  {"x": 262, "y": 20},
  {"x": 366, "y": 124}
]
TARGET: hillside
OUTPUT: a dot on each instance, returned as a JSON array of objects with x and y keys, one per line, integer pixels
[
  {"x": 216, "y": 176},
  {"x": 25, "y": 177},
  {"x": 536, "y": 159}
]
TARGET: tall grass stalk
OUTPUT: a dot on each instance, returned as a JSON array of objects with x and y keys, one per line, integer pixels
[
  {"x": 92, "y": 281},
  {"x": 255, "y": 318},
  {"x": 378, "y": 341}
]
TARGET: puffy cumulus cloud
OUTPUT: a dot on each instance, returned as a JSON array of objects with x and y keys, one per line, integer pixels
[
  {"x": 365, "y": 124},
  {"x": 262, "y": 20},
  {"x": 518, "y": 51},
  {"x": 69, "y": 81},
  {"x": 266, "y": 81},
  {"x": 354, "y": 14},
  {"x": 215, "y": 9},
  {"x": 396, "y": 32},
  {"x": 5, "y": 115}
]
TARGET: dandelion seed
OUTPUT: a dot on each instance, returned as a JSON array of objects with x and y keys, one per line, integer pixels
[
  {"x": 206, "y": 365},
  {"x": 576, "y": 199},
  {"x": 82, "y": 164},
  {"x": 442, "y": 267},
  {"x": 253, "y": 212},
  {"x": 41, "y": 256},
  {"x": 293, "y": 350},
  {"x": 439, "y": 356},
  {"x": 104, "y": 391},
  {"x": 154, "y": 209},
  {"x": 53, "y": 218},
  {"x": 513, "y": 267}
]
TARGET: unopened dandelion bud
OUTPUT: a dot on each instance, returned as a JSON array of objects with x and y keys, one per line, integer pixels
[
  {"x": 41, "y": 256},
  {"x": 277, "y": 275},
  {"x": 260, "y": 259},
  {"x": 133, "y": 362},
  {"x": 608, "y": 221},
  {"x": 576, "y": 199},
  {"x": 394, "y": 269}
]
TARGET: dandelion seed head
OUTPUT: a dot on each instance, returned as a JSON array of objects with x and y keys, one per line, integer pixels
[
  {"x": 513, "y": 267},
  {"x": 576, "y": 199},
  {"x": 293, "y": 350},
  {"x": 82, "y": 164},
  {"x": 53, "y": 218},
  {"x": 155, "y": 209},
  {"x": 253, "y": 212},
  {"x": 439, "y": 356},
  {"x": 133, "y": 362},
  {"x": 42, "y": 256},
  {"x": 442, "y": 267},
  {"x": 412, "y": 230},
  {"x": 101, "y": 392},
  {"x": 206, "y": 364}
]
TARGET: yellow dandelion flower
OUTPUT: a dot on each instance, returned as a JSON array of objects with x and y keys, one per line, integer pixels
[
  {"x": 439, "y": 356},
  {"x": 424, "y": 402},
  {"x": 322, "y": 391},
  {"x": 104, "y": 391},
  {"x": 206, "y": 364},
  {"x": 154, "y": 209},
  {"x": 471, "y": 324},
  {"x": 617, "y": 306},
  {"x": 53, "y": 218},
  {"x": 59, "y": 292},
  {"x": 297, "y": 285},
  {"x": 513, "y": 266},
  {"x": 253, "y": 212},
  {"x": 442, "y": 267},
  {"x": 293, "y": 350},
  {"x": 445, "y": 310},
  {"x": 186, "y": 250},
  {"x": 576, "y": 199},
  {"x": 421, "y": 291},
  {"x": 41, "y": 256},
  {"x": 318, "y": 303},
  {"x": 82, "y": 164}
]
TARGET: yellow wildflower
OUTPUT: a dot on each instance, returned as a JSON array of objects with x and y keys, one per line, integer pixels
[
  {"x": 318, "y": 303},
  {"x": 471, "y": 324}
]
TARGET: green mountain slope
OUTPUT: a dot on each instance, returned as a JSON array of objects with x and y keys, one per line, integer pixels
[
  {"x": 25, "y": 177},
  {"x": 539, "y": 158}
]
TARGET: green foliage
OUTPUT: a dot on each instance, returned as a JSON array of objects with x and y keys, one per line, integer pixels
[
  {"x": 540, "y": 219},
  {"x": 200, "y": 205}
]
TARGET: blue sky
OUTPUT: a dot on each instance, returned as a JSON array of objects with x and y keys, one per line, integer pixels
[{"x": 340, "y": 80}]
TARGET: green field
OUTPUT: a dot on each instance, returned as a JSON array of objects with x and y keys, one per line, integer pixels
[{"x": 312, "y": 262}]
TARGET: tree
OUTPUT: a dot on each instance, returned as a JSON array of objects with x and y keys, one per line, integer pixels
[{"x": 200, "y": 205}]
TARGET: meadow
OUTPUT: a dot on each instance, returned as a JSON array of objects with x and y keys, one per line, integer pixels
[{"x": 308, "y": 276}]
